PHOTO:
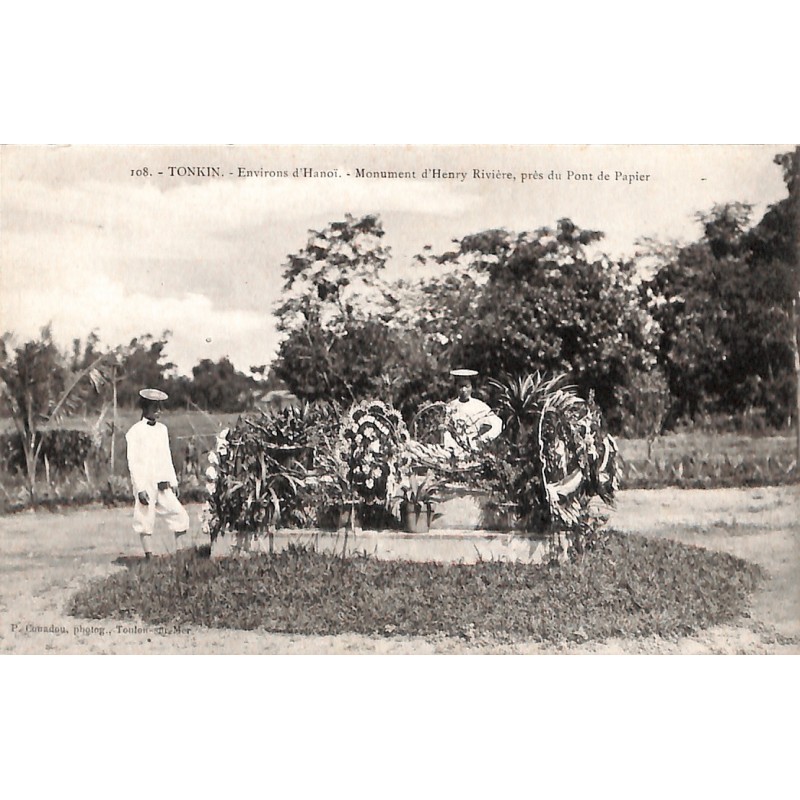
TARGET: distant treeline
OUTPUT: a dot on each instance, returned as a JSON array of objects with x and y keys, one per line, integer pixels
[
  {"x": 703, "y": 333},
  {"x": 212, "y": 386}
]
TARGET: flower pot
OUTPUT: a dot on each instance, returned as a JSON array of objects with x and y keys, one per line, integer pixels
[{"x": 416, "y": 518}]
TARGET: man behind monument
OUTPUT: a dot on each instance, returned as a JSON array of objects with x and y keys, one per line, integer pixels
[{"x": 480, "y": 424}]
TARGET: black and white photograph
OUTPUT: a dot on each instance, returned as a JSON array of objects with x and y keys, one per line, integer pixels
[{"x": 400, "y": 400}]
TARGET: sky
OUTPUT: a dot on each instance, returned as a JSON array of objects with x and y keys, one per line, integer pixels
[{"x": 87, "y": 244}]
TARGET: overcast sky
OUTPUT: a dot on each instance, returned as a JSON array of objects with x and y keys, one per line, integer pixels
[{"x": 88, "y": 246}]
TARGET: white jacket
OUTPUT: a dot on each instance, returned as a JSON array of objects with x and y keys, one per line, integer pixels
[
  {"x": 475, "y": 413},
  {"x": 149, "y": 457}
]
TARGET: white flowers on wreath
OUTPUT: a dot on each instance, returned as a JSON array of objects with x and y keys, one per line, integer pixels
[
  {"x": 215, "y": 457},
  {"x": 371, "y": 445}
]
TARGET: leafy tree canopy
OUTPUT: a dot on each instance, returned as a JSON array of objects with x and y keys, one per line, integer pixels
[
  {"x": 724, "y": 307},
  {"x": 336, "y": 278},
  {"x": 515, "y": 303}
]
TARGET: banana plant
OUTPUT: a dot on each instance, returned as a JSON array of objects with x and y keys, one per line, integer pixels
[{"x": 35, "y": 397}]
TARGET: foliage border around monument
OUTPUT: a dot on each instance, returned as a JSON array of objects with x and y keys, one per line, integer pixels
[{"x": 304, "y": 466}]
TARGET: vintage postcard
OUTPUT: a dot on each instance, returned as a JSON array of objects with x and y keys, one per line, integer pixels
[{"x": 399, "y": 399}]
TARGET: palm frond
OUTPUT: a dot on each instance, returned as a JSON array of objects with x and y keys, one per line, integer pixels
[
  {"x": 68, "y": 401},
  {"x": 520, "y": 400},
  {"x": 562, "y": 400}
]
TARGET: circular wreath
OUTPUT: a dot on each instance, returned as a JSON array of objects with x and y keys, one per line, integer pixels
[{"x": 372, "y": 442}]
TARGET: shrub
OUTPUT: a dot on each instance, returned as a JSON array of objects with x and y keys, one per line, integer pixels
[
  {"x": 642, "y": 405},
  {"x": 292, "y": 428},
  {"x": 291, "y": 468},
  {"x": 249, "y": 490},
  {"x": 64, "y": 449},
  {"x": 263, "y": 471}
]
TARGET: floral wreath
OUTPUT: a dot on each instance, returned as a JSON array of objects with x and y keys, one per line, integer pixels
[
  {"x": 372, "y": 448},
  {"x": 574, "y": 451},
  {"x": 215, "y": 460}
]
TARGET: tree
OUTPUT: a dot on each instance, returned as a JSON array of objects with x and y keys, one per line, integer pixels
[
  {"x": 538, "y": 301},
  {"x": 219, "y": 386},
  {"x": 724, "y": 307},
  {"x": 432, "y": 314},
  {"x": 334, "y": 314},
  {"x": 790, "y": 162},
  {"x": 336, "y": 278},
  {"x": 267, "y": 379},
  {"x": 141, "y": 364},
  {"x": 684, "y": 297},
  {"x": 38, "y": 386}
]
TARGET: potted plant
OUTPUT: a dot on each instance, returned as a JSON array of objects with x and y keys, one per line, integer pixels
[
  {"x": 336, "y": 497},
  {"x": 416, "y": 504}
]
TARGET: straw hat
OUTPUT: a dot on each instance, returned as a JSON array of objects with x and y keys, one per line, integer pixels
[
  {"x": 463, "y": 373},
  {"x": 153, "y": 394}
]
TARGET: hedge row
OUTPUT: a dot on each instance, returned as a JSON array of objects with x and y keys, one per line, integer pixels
[{"x": 63, "y": 448}]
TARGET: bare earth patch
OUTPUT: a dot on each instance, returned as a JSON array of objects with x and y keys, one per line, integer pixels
[{"x": 47, "y": 556}]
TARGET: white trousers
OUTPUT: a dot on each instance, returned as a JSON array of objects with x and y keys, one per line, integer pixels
[{"x": 164, "y": 504}]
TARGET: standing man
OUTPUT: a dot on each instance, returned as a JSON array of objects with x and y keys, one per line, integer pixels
[
  {"x": 477, "y": 422},
  {"x": 153, "y": 474}
]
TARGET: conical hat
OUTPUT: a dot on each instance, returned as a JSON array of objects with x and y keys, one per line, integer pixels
[{"x": 153, "y": 394}]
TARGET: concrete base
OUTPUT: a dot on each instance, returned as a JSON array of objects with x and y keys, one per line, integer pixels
[
  {"x": 464, "y": 530},
  {"x": 462, "y": 508},
  {"x": 443, "y": 546}
]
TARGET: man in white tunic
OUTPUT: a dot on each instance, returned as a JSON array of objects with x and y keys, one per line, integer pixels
[
  {"x": 479, "y": 423},
  {"x": 153, "y": 474}
]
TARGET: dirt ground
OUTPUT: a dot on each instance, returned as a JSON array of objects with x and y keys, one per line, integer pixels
[{"x": 45, "y": 557}]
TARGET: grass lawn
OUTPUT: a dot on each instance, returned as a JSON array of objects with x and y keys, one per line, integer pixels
[
  {"x": 733, "y": 445},
  {"x": 632, "y": 587},
  {"x": 46, "y": 558}
]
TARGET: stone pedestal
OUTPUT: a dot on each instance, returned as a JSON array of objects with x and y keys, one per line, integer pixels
[
  {"x": 461, "y": 531},
  {"x": 442, "y": 546},
  {"x": 465, "y": 509}
]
